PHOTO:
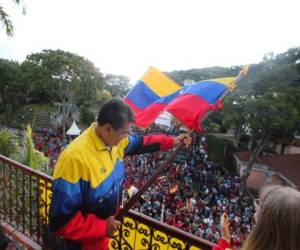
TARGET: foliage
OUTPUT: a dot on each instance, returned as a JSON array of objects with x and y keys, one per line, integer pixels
[
  {"x": 117, "y": 85},
  {"x": 221, "y": 151},
  {"x": 266, "y": 101},
  {"x": 61, "y": 76},
  {"x": 103, "y": 96},
  {"x": 212, "y": 125},
  {"x": 235, "y": 115},
  {"x": 197, "y": 75},
  {"x": 39, "y": 107},
  {"x": 8, "y": 143},
  {"x": 273, "y": 113},
  {"x": 2, "y": 118},
  {"x": 267, "y": 104},
  {"x": 86, "y": 116},
  {"x": 39, "y": 83},
  {"x": 13, "y": 91},
  {"x": 5, "y": 21},
  {"x": 30, "y": 156},
  {"x": 69, "y": 77}
]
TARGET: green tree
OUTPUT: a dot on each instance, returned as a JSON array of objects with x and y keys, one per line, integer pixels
[
  {"x": 103, "y": 96},
  {"x": 273, "y": 73},
  {"x": 197, "y": 75},
  {"x": 13, "y": 92},
  {"x": 86, "y": 116},
  {"x": 39, "y": 82},
  {"x": 72, "y": 78},
  {"x": 235, "y": 115},
  {"x": 272, "y": 118},
  {"x": 90, "y": 80},
  {"x": 117, "y": 85},
  {"x": 8, "y": 143}
]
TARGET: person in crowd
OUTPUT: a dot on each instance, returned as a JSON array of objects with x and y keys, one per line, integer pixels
[{"x": 277, "y": 222}]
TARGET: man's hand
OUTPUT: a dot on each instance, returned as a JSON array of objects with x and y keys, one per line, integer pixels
[
  {"x": 112, "y": 225},
  {"x": 10, "y": 246},
  {"x": 183, "y": 137},
  {"x": 225, "y": 233}
]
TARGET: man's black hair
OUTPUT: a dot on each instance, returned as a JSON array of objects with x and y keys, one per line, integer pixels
[
  {"x": 116, "y": 113},
  {"x": 4, "y": 240}
]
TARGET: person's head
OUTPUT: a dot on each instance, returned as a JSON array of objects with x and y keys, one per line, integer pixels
[
  {"x": 278, "y": 220},
  {"x": 113, "y": 121}
]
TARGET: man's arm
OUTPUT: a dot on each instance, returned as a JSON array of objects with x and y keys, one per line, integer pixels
[
  {"x": 138, "y": 144},
  {"x": 78, "y": 227},
  {"x": 66, "y": 217},
  {"x": 224, "y": 241}
]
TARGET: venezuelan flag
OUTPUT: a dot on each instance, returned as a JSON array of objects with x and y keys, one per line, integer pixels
[
  {"x": 156, "y": 92},
  {"x": 150, "y": 96},
  {"x": 195, "y": 100}
]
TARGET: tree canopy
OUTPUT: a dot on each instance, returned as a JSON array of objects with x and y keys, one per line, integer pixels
[
  {"x": 61, "y": 76},
  {"x": 117, "y": 85},
  {"x": 13, "y": 92}
]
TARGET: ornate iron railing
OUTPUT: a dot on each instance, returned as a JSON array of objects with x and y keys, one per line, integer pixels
[
  {"x": 25, "y": 197},
  {"x": 141, "y": 232}
]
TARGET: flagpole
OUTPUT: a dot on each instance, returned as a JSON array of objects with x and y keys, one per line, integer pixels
[
  {"x": 162, "y": 209},
  {"x": 165, "y": 164},
  {"x": 148, "y": 183}
]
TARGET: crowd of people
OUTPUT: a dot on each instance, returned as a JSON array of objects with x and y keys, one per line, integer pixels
[
  {"x": 193, "y": 193},
  {"x": 50, "y": 142}
]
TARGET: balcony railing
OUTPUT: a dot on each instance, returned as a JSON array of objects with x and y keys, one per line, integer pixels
[
  {"x": 25, "y": 197},
  {"x": 142, "y": 232}
]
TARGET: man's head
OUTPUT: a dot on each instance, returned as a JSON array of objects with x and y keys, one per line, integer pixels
[{"x": 113, "y": 121}]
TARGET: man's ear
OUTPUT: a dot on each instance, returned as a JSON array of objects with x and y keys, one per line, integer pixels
[{"x": 108, "y": 128}]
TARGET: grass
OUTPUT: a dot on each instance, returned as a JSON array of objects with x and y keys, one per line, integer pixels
[
  {"x": 39, "y": 107},
  {"x": 221, "y": 149}
]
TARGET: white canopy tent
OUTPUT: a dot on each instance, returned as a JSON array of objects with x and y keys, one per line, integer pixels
[
  {"x": 164, "y": 119},
  {"x": 73, "y": 130}
]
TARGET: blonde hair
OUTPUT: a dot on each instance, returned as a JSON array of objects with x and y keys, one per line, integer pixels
[{"x": 278, "y": 225}]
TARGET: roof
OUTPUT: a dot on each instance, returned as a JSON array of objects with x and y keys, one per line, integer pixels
[
  {"x": 287, "y": 165},
  {"x": 295, "y": 143},
  {"x": 245, "y": 156},
  {"x": 256, "y": 180}
]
